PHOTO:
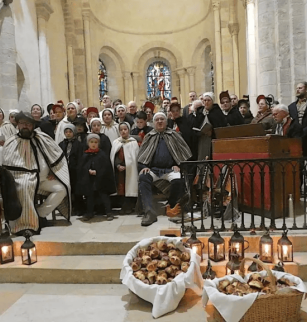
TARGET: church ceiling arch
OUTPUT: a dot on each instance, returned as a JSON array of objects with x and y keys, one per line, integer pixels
[
  {"x": 199, "y": 50},
  {"x": 113, "y": 51}
]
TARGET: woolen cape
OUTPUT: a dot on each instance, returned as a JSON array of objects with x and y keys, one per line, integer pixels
[
  {"x": 131, "y": 150},
  {"x": 177, "y": 147},
  {"x": 20, "y": 158}
]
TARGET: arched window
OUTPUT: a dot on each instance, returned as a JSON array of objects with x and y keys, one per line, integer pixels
[
  {"x": 102, "y": 80},
  {"x": 158, "y": 81}
]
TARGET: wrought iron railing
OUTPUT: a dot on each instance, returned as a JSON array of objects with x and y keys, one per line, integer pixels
[{"x": 255, "y": 194}]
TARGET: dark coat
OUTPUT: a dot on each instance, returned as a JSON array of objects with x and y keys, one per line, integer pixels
[
  {"x": 248, "y": 117},
  {"x": 11, "y": 204},
  {"x": 103, "y": 181},
  {"x": 46, "y": 127},
  {"x": 266, "y": 119},
  {"x": 72, "y": 160},
  {"x": 185, "y": 111},
  {"x": 234, "y": 117},
  {"x": 295, "y": 130},
  {"x": 136, "y": 130},
  {"x": 104, "y": 145},
  {"x": 127, "y": 119},
  {"x": 293, "y": 113}
]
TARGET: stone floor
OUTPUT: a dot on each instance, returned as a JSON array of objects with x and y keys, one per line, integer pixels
[{"x": 93, "y": 303}]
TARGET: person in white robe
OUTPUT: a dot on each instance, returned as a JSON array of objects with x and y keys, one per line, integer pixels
[{"x": 109, "y": 126}]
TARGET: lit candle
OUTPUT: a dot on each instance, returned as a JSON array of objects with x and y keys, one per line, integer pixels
[
  {"x": 285, "y": 251},
  {"x": 237, "y": 247},
  {"x": 266, "y": 250},
  {"x": 5, "y": 249},
  {"x": 194, "y": 249}
]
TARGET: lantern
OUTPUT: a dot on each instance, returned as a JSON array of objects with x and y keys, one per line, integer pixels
[
  {"x": 195, "y": 244},
  {"x": 28, "y": 250},
  {"x": 285, "y": 248},
  {"x": 233, "y": 266},
  {"x": 254, "y": 267},
  {"x": 209, "y": 273},
  {"x": 216, "y": 247},
  {"x": 6, "y": 248},
  {"x": 266, "y": 248},
  {"x": 237, "y": 242}
]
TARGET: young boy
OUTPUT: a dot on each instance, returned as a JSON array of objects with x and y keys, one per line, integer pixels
[
  {"x": 96, "y": 178},
  {"x": 71, "y": 148},
  {"x": 141, "y": 128}
]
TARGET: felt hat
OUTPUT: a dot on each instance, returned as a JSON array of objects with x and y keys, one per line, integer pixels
[
  {"x": 92, "y": 110},
  {"x": 92, "y": 136},
  {"x": 150, "y": 105},
  {"x": 79, "y": 120},
  {"x": 224, "y": 94},
  {"x": 260, "y": 97},
  {"x": 58, "y": 104},
  {"x": 24, "y": 116}
]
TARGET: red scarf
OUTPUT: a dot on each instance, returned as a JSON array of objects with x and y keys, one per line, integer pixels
[{"x": 92, "y": 150}]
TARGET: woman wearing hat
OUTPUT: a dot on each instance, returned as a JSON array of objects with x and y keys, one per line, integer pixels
[
  {"x": 109, "y": 126},
  {"x": 264, "y": 115},
  {"x": 45, "y": 126}
]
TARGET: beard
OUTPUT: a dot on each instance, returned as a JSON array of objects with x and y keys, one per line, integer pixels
[
  {"x": 300, "y": 95},
  {"x": 25, "y": 133}
]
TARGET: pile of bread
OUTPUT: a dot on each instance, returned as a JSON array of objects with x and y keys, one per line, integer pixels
[
  {"x": 256, "y": 283},
  {"x": 160, "y": 263}
]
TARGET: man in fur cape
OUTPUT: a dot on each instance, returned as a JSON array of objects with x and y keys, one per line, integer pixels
[
  {"x": 159, "y": 158},
  {"x": 38, "y": 166}
]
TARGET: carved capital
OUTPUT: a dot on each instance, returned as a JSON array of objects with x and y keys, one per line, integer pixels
[
  {"x": 86, "y": 14},
  {"x": 135, "y": 75},
  {"x": 216, "y": 4},
  {"x": 181, "y": 72},
  {"x": 233, "y": 28},
  {"x": 43, "y": 9},
  {"x": 127, "y": 75},
  {"x": 191, "y": 70}
]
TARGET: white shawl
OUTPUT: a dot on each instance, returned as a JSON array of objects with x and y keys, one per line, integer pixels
[
  {"x": 131, "y": 150},
  {"x": 111, "y": 131},
  {"x": 59, "y": 132}
]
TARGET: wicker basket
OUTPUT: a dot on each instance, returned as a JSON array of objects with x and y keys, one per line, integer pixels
[{"x": 271, "y": 307}]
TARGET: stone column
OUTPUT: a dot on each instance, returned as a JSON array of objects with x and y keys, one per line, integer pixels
[
  {"x": 135, "y": 87},
  {"x": 70, "y": 64},
  {"x": 251, "y": 54},
  {"x": 181, "y": 74},
  {"x": 88, "y": 58},
  {"x": 127, "y": 78},
  {"x": 191, "y": 73},
  {"x": 43, "y": 12},
  {"x": 234, "y": 30},
  {"x": 218, "y": 50}
]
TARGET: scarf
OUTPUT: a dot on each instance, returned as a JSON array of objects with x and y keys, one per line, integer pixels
[
  {"x": 92, "y": 151},
  {"x": 175, "y": 144}
]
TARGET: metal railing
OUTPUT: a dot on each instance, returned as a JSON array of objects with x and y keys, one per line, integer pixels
[{"x": 256, "y": 194}]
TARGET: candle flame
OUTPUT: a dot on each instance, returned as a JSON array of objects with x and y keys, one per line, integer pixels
[{"x": 5, "y": 249}]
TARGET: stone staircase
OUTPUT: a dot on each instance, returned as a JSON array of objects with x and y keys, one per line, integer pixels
[{"x": 100, "y": 262}]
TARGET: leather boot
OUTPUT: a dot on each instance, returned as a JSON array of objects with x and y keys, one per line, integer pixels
[
  {"x": 173, "y": 212},
  {"x": 149, "y": 219}
]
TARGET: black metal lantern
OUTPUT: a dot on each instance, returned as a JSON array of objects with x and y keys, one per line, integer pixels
[
  {"x": 285, "y": 248},
  {"x": 28, "y": 250},
  {"x": 254, "y": 267},
  {"x": 216, "y": 247},
  {"x": 209, "y": 274},
  {"x": 266, "y": 248},
  {"x": 6, "y": 248},
  {"x": 233, "y": 266},
  {"x": 237, "y": 242},
  {"x": 195, "y": 244}
]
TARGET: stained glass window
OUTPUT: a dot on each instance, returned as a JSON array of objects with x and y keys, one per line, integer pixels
[
  {"x": 212, "y": 77},
  {"x": 158, "y": 81},
  {"x": 102, "y": 80}
]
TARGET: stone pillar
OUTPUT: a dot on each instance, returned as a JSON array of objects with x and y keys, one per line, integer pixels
[
  {"x": 43, "y": 12},
  {"x": 135, "y": 88},
  {"x": 251, "y": 54},
  {"x": 181, "y": 74},
  {"x": 218, "y": 50},
  {"x": 88, "y": 58},
  {"x": 127, "y": 79},
  {"x": 234, "y": 30},
  {"x": 70, "y": 64},
  {"x": 191, "y": 73}
]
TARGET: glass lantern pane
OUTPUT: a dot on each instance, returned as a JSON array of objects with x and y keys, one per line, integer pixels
[
  {"x": 32, "y": 253},
  {"x": 220, "y": 251},
  {"x": 211, "y": 250},
  {"x": 266, "y": 252},
  {"x": 287, "y": 253},
  {"x": 24, "y": 255},
  {"x": 158, "y": 81},
  {"x": 279, "y": 251},
  {"x": 7, "y": 253}
]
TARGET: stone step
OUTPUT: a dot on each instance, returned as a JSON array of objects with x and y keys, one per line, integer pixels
[
  {"x": 100, "y": 269},
  {"x": 65, "y": 270}
]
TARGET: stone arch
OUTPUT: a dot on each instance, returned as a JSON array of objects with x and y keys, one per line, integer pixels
[
  {"x": 115, "y": 67},
  {"x": 23, "y": 85},
  {"x": 201, "y": 59},
  {"x": 149, "y": 56},
  {"x": 157, "y": 45}
]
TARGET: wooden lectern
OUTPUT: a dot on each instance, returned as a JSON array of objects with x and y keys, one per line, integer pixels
[{"x": 276, "y": 189}]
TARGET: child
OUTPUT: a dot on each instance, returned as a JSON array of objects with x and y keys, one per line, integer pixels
[
  {"x": 96, "y": 178},
  {"x": 141, "y": 128},
  {"x": 81, "y": 129},
  {"x": 71, "y": 148},
  {"x": 105, "y": 144},
  {"x": 109, "y": 126},
  {"x": 124, "y": 160}
]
